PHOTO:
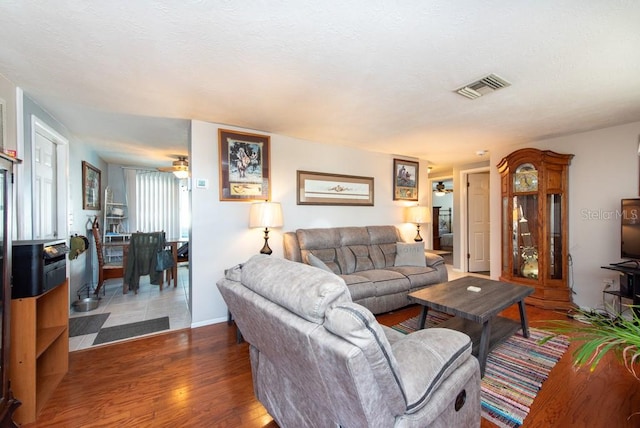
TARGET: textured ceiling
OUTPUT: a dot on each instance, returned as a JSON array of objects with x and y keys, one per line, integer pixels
[{"x": 123, "y": 76}]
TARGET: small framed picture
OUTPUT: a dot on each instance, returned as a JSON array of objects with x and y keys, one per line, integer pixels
[
  {"x": 90, "y": 187},
  {"x": 405, "y": 180},
  {"x": 244, "y": 166}
]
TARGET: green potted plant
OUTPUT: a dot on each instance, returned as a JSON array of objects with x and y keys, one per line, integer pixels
[{"x": 599, "y": 334}]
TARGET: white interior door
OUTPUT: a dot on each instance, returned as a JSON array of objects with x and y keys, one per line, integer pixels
[
  {"x": 44, "y": 192},
  {"x": 478, "y": 221}
]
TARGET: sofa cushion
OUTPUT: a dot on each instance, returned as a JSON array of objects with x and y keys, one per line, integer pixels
[
  {"x": 313, "y": 239},
  {"x": 316, "y": 262},
  {"x": 418, "y": 276},
  {"x": 300, "y": 288},
  {"x": 328, "y": 256},
  {"x": 383, "y": 235},
  {"x": 357, "y": 325},
  {"x": 322, "y": 243},
  {"x": 353, "y": 236},
  {"x": 356, "y": 258},
  {"x": 386, "y": 281},
  {"x": 359, "y": 286},
  {"x": 426, "y": 358},
  {"x": 410, "y": 254},
  {"x": 389, "y": 254}
]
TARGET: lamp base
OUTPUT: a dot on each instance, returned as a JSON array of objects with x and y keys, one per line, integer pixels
[
  {"x": 418, "y": 238},
  {"x": 266, "y": 249}
]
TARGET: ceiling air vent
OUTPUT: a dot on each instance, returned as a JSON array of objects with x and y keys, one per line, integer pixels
[{"x": 483, "y": 86}]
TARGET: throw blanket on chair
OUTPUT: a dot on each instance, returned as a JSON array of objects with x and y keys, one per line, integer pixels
[{"x": 142, "y": 259}]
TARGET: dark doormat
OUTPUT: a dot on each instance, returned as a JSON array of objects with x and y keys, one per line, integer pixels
[
  {"x": 125, "y": 331},
  {"x": 79, "y": 326}
]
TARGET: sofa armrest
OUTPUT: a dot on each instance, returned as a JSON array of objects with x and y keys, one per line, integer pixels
[
  {"x": 426, "y": 358},
  {"x": 291, "y": 247},
  {"x": 433, "y": 260}
]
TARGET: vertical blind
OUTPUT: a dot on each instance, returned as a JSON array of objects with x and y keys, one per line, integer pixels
[{"x": 153, "y": 199}]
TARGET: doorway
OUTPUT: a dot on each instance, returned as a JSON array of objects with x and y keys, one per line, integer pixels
[
  {"x": 462, "y": 202},
  {"x": 49, "y": 158},
  {"x": 443, "y": 218},
  {"x": 478, "y": 223}
]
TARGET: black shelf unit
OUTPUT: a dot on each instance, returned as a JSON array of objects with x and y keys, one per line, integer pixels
[{"x": 629, "y": 282}]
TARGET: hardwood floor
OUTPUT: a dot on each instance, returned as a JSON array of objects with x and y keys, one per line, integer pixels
[{"x": 202, "y": 378}]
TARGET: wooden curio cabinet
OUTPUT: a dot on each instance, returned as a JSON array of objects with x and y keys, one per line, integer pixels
[{"x": 535, "y": 235}]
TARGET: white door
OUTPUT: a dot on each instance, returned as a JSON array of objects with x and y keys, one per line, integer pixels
[
  {"x": 478, "y": 221},
  {"x": 44, "y": 191}
]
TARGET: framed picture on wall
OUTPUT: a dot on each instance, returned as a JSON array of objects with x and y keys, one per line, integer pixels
[
  {"x": 405, "y": 180},
  {"x": 244, "y": 166},
  {"x": 90, "y": 187},
  {"x": 318, "y": 188}
]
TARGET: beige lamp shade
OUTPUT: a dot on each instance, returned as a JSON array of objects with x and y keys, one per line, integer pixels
[
  {"x": 265, "y": 214},
  {"x": 417, "y": 215}
]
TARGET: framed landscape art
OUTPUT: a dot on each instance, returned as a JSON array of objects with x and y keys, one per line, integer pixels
[
  {"x": 317, "y": 188},
  {"x": 405, "y": 180},
  {"x": 244, "y": 166}
]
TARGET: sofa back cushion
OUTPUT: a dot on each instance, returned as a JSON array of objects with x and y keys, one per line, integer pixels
[
  {"x": 323, "y": 244},
  {"x": 357, "y": 325},
  {"x": 302, "y": 289},
  {"x": 346, "y": 250}
]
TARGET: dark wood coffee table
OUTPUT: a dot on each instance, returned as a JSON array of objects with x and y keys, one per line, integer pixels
[{"x": 476, "y": 313}]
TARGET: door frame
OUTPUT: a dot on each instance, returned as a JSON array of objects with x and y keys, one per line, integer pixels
[
  {"x": 463, "y": 239},
  {"x": 432, "y": 198},
  {"x": 62, "y": 172}
]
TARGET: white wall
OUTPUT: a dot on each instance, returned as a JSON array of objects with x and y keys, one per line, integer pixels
[
  {"x": 220, "y": 237},
  {"x": 603, "y": 171},
  {"x": 8, "y": 94}
]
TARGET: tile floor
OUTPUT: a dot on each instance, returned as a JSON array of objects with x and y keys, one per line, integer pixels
[{"x": 148, "y": 304}]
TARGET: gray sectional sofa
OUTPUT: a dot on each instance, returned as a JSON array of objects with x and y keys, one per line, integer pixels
[
  {"x": 320, "y": 360},
  {"x": 367, "y": 259}
]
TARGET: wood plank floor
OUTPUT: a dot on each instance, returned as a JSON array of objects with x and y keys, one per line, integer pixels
[{"x": 202, "y": 378}]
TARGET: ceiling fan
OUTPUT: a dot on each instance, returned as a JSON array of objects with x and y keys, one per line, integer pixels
[
  {"x": 440, "y": 190},
  {"x": 180, "y": 167}
]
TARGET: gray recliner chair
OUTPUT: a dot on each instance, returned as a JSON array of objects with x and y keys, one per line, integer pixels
[{"x": 320, "y": 360}]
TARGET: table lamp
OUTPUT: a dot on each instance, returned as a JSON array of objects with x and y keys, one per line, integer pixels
[
  {"x": 417, "y": 215},
  {"x": 265, "y": 214}
]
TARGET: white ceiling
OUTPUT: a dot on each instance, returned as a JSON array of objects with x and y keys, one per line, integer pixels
[{"x": 377, "y": 74}]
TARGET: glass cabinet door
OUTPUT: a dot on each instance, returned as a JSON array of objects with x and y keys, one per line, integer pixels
[
  {"x": 554, "y": 227},
  {"x": 525, "y": 236},
  {"x": 506, "y": 234}
]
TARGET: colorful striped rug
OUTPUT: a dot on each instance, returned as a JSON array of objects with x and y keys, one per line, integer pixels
[{"x": 514, "y": 374}]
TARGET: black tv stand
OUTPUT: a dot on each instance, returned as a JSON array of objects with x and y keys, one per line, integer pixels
[
  {"x": 627, "y": 262},
  {"x": 629, "y": 282}
]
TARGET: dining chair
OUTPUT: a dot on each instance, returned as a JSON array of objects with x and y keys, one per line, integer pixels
[
  {"x": 142, "y": 259},
  {"x": 113, "y": 269}
]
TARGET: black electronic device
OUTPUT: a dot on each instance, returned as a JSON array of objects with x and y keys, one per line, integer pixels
[
  {"x": 38, "y": 266},
  {"x": 630, "y": 229}
]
